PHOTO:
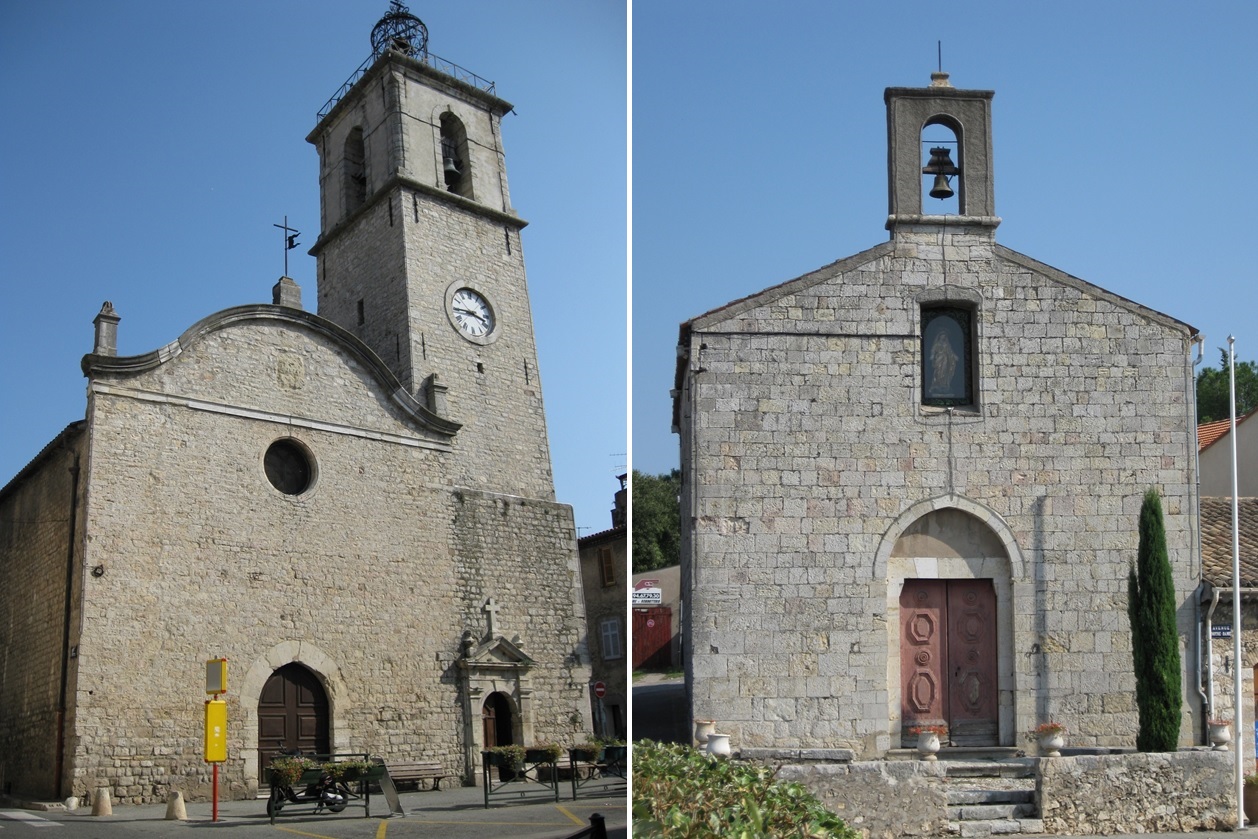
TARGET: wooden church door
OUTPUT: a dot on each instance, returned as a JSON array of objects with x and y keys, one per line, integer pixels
[
  {"x": 948, "y": 670},
  {"x": 496, "y": 719},
  {"x": 292, "y": 714}
]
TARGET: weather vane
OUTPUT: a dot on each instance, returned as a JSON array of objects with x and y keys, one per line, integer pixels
[{"x": 290, "y": 235}]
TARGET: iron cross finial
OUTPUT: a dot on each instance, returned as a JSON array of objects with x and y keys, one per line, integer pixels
[{"x": 290, "y": 235}]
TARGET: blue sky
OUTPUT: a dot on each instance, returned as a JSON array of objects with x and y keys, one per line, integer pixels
[
  {"x": 1125, "y": 148},
  {"x": 149, "y": 147}
]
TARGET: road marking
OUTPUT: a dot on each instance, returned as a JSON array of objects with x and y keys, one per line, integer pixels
[
  {"x": 303, "y": 833},
  {"x": 380, "y": 832},
  {"x": 28, "y": 818},
  {"x": 568, "y": 813}
]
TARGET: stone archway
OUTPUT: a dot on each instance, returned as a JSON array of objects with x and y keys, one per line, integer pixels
[
  {"x": 324, "y": 670},
  {"x": 952, "y": 543}
]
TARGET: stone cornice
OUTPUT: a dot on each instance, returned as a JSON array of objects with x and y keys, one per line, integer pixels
[{"x": 94, "y": 365}]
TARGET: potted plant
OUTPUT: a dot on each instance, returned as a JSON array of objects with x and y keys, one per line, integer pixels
[
  {"x": 1220, "y": 733},
  {"x": 287, "y": 770},
  {"x": 928, "y": 740},
  {"x": 584, "y": 752},
  {"x": 543, "y": 753},
  {"x": 1051, "y": 737},
  {"x": 1250, "y": 800},
  {"x": 509, "y": 759}
]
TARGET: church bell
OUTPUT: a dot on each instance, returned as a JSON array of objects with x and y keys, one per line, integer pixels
[
  {"x": 452, "y": 171},
  {"x": 941, "y": 167}
]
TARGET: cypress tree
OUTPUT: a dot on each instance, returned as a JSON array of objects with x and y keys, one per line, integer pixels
[{"x": 1154, "y": 637}]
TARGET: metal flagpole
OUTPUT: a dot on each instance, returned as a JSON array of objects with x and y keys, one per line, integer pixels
[{"x": 1237, "y": 622}]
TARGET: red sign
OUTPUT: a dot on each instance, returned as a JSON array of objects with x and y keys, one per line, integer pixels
[
  {"x": 641, "y": 584},
  {"x": 650, "y": 623},
  {"x": 600, "y": 689}
]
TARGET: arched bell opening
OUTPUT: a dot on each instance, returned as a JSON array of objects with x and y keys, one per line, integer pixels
[{"x": 943, "y": 184}]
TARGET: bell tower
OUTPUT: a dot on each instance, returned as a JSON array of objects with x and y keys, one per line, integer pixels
[
  {"x": 958, "y": 167},
  {"x": 419, "y": 251}
]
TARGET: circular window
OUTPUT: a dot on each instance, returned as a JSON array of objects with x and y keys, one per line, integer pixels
[{"x": 289, "y": 467}]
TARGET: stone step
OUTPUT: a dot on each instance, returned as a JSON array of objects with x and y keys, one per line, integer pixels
[
  {"x": 991, "y": 812},
  {"x": 1015, "y": 768},
  {"x": 996, "y": 827},
  {"x": 991, "y": 796}
]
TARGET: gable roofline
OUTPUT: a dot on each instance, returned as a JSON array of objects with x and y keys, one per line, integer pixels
[
  {"x": 65, "y": 438},
  {"x": 94, "y": 364},
  {"x": 1057, "y": 275},
  {"x": 1210, "y": 433}
]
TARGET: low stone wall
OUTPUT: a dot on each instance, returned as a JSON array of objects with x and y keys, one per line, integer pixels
[
  {"x": 1137, "y": 793},
  {"x": 1083, "y": 795},
  {"x": 881, "y": 799}
]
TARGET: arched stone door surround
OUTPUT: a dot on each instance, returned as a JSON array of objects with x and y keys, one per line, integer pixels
[
  {"x": 255, "y": 678},
  {"x": 969, "y": 542}
]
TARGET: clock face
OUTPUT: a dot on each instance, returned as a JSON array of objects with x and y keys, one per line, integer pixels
[{"x": 471, "y": 313}]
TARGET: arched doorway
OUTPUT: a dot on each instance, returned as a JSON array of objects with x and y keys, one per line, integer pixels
[
  {"x": 292, "y": 714},
  {"x": 496, "y": 719},
  {"x": 950, "y": 567}
]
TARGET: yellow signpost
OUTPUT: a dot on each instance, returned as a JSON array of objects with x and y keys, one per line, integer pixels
[
  {"x": 215, "y": 731},
  {"x": 215, "y": 720}
]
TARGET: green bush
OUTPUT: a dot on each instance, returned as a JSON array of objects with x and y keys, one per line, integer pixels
[{"x": 680, "y": 792}]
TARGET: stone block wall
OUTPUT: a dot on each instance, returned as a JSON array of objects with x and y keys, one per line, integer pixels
[
  {"x": 807, "y": 451},
  {"x": 36, "y": 509},
  {"x": 1137, "y": 793},
  {"x": 369, "y": 578}
]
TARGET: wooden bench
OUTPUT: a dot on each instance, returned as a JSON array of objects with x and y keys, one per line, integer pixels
[{"x": 418, "y": 772}]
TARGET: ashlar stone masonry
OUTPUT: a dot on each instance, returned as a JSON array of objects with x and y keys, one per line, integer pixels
[{"x": 912, "y": 480}]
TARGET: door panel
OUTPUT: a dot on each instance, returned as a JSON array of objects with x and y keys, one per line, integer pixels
[
  {"x": 948, "y": 659},
  {"x": 292, "y": 714},
  {"x": 972, "y": 663},
  {"x": 923, "y": 647}
]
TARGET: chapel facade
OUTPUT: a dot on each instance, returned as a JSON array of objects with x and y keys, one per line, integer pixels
[
  {"x": 355, "y": 508},
  {"x": 912, "y": 478}
]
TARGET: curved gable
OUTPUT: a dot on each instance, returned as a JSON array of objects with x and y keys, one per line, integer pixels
[{"x": 272, "y": 359}]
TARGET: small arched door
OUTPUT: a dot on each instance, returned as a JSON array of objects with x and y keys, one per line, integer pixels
[
  {"x": 292, "y": 714},
  {"x": 496, "y": 718}
]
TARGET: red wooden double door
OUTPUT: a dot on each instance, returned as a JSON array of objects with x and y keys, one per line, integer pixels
[{"x": 948, "y": 673}]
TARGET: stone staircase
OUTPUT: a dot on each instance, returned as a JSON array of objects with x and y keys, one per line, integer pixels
[{"x": 990, "y": 798}]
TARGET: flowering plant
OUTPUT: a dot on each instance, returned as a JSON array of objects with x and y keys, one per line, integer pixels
[
  {"x": 940, "y": 730},
  {"x": 1048, "y": 729}
]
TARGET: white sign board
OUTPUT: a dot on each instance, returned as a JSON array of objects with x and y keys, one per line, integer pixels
[{"x": 648, "y": 597}]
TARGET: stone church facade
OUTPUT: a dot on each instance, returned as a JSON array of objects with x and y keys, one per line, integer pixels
[
  {"x": 912, "y": 479},
  {"x": 355, "y": 508}
]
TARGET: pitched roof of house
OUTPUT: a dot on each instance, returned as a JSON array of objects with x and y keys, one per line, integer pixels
[
  {"x": 1210, "y": 432},
  {"x": 1216, "y": 541}
]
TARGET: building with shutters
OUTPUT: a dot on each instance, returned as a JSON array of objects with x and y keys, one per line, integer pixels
[
  {"x": 912, "y": 478},
  {"x": 355, "y": 507}
]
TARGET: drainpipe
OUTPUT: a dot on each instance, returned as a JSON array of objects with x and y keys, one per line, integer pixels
[
  {"x": 1214, "y": 603},
  {"x": 66, "y": 624},
  {"x": 1207, "y": 695}
]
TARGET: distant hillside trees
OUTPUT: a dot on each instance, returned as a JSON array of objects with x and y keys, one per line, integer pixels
[
  {"x": 1213, "y": 389},
  {"x": 656, "y": 521}
]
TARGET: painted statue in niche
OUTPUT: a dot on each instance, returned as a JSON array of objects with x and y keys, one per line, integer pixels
[{"x": 945, "y": 357}]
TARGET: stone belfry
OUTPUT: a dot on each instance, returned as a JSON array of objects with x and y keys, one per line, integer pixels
[
  {"x": 419, "y": 251},
  {"x": 939, "y": 157}
]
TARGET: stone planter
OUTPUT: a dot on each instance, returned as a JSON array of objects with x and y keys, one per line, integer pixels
[
  {"x": 1220, "y": 736},
  {"x": 928, "y": 745},
  {"x": 703, "y": 729},
  {"x": 718, "y": 744},
  {"x": 1052, "y": 744},
  {"x": 1250, "y": 803}
]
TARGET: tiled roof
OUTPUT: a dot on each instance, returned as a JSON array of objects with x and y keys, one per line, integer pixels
[
  {"x": 1216, "y": 541},
  {"x": 1210, "y": 432}
]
